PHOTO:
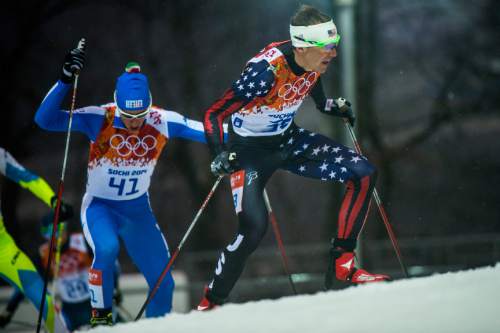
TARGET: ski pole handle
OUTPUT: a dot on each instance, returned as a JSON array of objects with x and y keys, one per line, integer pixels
[{"x": 81, "y": 47}]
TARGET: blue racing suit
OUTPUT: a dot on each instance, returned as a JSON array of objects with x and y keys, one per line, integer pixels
[{"x": 116, "y": 202}]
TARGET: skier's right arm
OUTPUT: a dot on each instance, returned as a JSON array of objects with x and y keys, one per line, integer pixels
[
  {"x": 49, "y": 115},
  {"x": 255, "y": 82},
  {"x": 260, "y": 79}
]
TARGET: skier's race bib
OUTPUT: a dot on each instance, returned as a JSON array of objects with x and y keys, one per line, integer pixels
[
  {"x": 74, "y": 288},
  {"x": 120, "y": 183},
  {"x": 120, "y": 163},
  {"x": 267, "y": 122}
]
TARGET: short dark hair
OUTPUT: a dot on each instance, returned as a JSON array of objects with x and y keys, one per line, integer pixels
[{"x": 308, "y": 15}]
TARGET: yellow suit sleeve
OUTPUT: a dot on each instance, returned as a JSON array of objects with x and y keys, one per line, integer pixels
[{"x": 25, "y": 178}]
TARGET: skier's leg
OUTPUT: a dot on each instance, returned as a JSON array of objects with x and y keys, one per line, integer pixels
[
  {"x": 101, "y": 232},
  {"x": 316, "y": 156},
  {"x": 247, "y": 188},
  {"x": 18, "y": 270},
  {"x": 252, "y": 227},
  {"x": 149, "y": 250}
]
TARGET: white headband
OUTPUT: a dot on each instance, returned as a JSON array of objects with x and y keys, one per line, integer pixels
[{"x": 302, "y": 36}]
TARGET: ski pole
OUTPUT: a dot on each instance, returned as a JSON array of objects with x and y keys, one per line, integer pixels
[
  {"x": 381, "y": 209},
  {"x": 177, "y": 250},
  {"x": 281, "y": 246},
  {"x": 61, "y": 228},
  {"x": 22, "y": 323},
  {"x": 81, "y": 45},
  {"x": 121, "y": 309}
]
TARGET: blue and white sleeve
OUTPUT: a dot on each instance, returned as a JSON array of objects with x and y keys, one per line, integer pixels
[
  {"x": 49, "y": 116},
  {"x": 179, "y": 126}
]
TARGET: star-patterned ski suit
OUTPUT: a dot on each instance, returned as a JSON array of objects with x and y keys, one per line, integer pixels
[{"x": 262, "y": 104}]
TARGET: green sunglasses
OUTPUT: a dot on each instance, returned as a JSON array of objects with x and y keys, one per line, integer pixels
[{"x": 329, "y": 44}]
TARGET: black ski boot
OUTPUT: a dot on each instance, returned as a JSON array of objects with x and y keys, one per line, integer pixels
[{"x": 101, "y": 317}]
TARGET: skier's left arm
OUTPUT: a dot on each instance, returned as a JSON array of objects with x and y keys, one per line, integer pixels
[
  {"x": 339, "y": 107},
  {"x": 25, "y": 178},
  {"x": 32, "y": 182},
  {"x": 182, "y": 127}
]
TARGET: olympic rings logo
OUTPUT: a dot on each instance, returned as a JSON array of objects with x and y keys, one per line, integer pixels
[
  {"x": 299, "y": 87},
  {"x": 132, "y": 144}
]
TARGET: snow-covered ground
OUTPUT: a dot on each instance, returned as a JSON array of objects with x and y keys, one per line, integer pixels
[{"x": 467, "y": 301}]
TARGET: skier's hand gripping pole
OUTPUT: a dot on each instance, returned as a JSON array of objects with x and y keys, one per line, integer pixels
[
  {"x": 71, "y": 69},
  {"x": 381, "y": 209}
]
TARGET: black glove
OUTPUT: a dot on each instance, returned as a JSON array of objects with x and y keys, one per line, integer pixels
[
  {"x": 73, "y": 62},
  {"x": 340, "y": 107},
  {"x": 5, "y": 318},
  {"x": 224, "y": 163},
  {"x": 65, "y": 211}
]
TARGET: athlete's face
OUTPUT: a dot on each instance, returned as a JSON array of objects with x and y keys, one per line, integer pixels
[
  {"x": 133, "y": 125},
  {"x": 314, "y": 58}
]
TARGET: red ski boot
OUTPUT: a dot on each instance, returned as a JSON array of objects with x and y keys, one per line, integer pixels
[
  {"x": 345, "y": 270},
  {"x": 205, "y": 303}
]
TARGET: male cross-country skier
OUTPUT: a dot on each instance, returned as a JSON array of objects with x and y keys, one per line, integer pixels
[
  {"x": 262, "y": 104},
  {"x": 126, "y": 139},
  {"x": 15, "y": 267}
]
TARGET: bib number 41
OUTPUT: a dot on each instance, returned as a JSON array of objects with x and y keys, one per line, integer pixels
[{"x": 123, "y": 184}]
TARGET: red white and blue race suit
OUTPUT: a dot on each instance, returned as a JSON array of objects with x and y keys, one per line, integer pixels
[
  {"x": 116, "y": 202},
  {"x": 262, "y": 105}
]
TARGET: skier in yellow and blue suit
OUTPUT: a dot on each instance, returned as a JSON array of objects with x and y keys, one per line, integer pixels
[{"x": 15, "y": 267}]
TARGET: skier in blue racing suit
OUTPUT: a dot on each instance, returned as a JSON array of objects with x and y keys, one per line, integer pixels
[{"x": 126, "y": 139}]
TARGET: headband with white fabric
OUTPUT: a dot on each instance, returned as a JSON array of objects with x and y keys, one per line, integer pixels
[{"x": 319, "y": 35}]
